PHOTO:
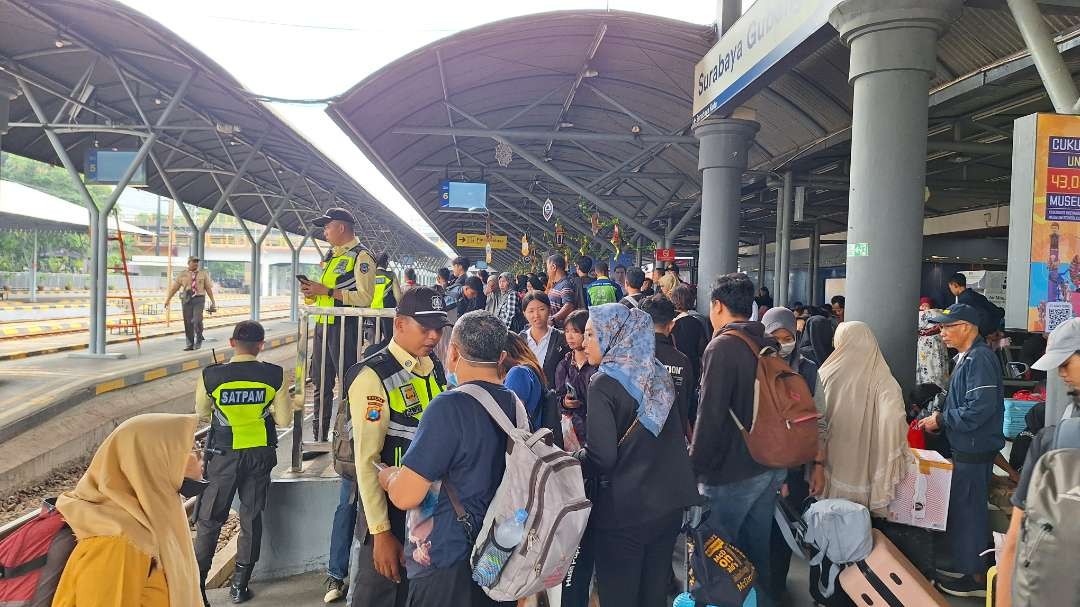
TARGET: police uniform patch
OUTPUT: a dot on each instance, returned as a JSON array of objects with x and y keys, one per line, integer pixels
[
  {"x": 342, "y": 264},
  {"x": 374, "y": 412},
  {"x": 436, "y": 302},
  {"x": 365, "y": 267}
]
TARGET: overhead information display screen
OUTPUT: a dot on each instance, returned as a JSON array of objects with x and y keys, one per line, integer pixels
[{"x": 466, "y": 195}]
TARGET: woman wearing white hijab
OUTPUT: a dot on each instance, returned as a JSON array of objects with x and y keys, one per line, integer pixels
[{"x": 866, "y": 429}]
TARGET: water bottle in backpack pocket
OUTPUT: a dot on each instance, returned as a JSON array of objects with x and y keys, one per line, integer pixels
[{"x": 508, "y": 534}]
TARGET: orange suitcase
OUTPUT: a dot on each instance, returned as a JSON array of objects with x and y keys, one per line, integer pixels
[{"x": 887, "y": 579}]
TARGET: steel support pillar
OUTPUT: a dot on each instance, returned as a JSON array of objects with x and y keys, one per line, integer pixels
[
  {"x": 256, "y": 278},
  {"x": 1055, "y": 75},
  {"x": 787, "y": 194},
  {"x": 763, "y": 245},
  {"x": 776, "y": 246},
  {"x": 33, "y": 266},
  {"x": 815, "y": 261},
  {"x": 893, "y": 56},
  {"x": 722, "y": 157}
]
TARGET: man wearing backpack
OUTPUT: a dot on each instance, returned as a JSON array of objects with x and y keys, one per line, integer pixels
[
  {"x": 388, "y": 393},
  {"x": 458, "y": 454},
  {"x": 741, "y": 492},
  {"x": 972, "y": 417},
  {"x": 1038, "y": 578}
]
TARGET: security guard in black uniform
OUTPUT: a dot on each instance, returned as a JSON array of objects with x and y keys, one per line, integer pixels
[
  {"x": 245, "y": 400},
  {"x": 388, "y": 393}
]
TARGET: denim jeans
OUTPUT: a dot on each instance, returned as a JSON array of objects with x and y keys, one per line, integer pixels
[
  {"x": 341, "y": 534},
  {"x": 744, "y": 511}
]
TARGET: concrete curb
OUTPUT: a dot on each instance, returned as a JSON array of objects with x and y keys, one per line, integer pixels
[{"x": 81, "y": 393}]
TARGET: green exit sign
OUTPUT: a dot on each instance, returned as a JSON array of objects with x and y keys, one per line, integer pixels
[{"x": 858, "y": 249}]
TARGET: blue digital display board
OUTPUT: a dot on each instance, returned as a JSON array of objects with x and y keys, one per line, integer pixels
[
  {"x": 466, "y": 195},
  {"x": 106, "y": 166}
]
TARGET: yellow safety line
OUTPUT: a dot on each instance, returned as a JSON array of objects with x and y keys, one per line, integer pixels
[
  {"x": 155, "y": 374},
  {"x": 109, "y": 386}
]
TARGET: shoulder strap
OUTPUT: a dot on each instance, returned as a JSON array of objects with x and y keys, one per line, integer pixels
[
  {"x": 746, "y": 340},
  {"x": 495, "y": 411},
  {"x": 1067, "y": 434}
]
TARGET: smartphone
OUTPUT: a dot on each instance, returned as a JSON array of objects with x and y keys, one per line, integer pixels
[
  {"x": 302, "y": 278},
  {"x": 570, "y": 391},
  {"x": 379, "y": 466}
]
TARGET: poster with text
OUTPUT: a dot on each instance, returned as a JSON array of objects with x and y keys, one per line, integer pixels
[{"x": 1054, "y": 288}]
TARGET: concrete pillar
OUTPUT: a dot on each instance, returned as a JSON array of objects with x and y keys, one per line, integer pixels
[
  {"x": 777, "y": 252},
  {"x": 788, "y": 196},
  {"x": 722, "y": 157},
  {"x": 893, "y": 55}
]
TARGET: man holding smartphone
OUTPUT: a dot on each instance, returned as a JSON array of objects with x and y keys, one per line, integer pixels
[{"x": 388, "y": 392}]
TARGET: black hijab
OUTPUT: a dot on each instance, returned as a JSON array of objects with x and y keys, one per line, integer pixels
[{"x": 816, "y": 343}]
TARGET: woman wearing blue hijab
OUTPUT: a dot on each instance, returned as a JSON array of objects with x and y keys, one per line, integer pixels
[{"x": 635, "y": 457}]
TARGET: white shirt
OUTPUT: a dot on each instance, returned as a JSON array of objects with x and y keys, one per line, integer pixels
[{"x": 539, "y": 349}]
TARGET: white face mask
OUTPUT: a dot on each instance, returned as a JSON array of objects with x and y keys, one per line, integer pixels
[{"x": 787, "y": 348}]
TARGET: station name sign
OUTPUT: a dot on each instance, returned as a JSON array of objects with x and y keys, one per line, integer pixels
[{"x": 767, "y": 33}]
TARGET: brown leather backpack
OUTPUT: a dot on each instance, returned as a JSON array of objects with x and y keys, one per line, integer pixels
[{"x": 783, "y": 432}]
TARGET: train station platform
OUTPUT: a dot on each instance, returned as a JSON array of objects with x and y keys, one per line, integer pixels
[{"x": 34, "y": 389}]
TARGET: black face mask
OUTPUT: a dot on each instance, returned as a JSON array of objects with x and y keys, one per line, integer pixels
[{"x": 192, "y": 487}]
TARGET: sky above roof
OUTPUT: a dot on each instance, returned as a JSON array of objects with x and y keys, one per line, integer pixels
[{"x": 316, "y": 49}]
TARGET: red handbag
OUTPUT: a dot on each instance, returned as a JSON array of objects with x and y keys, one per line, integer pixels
[{"x": 915, "y": 437}]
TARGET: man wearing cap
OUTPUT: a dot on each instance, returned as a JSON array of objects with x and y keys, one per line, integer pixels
[
  {"x": 347, "y": 280},
  {"x": 194, "y": 287},
  {"x": 245, "y": 401},
  {"x": 1062, "y": 356},
  {"x": 972, "y": 419},
  {"x": 388, "y": 393}
]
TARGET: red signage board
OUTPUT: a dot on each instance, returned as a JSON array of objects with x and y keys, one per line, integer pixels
[{"x": 665, "y": 255}]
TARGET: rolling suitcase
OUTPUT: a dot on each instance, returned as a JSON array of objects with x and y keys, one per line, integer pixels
[{"x": 887, "y": 579}]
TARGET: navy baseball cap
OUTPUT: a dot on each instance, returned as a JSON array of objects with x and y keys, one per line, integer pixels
[
  {"x": 248, "y": 331},
  {"x": 426, "y": 306},
  {"x": 334, "y": 214},
  {"x": 957, "y": 313}
]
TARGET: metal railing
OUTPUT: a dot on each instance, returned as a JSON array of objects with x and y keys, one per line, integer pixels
[{"x": 361, "y": 332}]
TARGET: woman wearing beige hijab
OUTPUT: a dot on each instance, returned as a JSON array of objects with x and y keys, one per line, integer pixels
[
  {"x": 866, "y": 429},
  {"x": 134, "y": 545}
]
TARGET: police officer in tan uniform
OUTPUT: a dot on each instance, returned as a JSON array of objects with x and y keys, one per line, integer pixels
[{"x": 194, "y": 286}]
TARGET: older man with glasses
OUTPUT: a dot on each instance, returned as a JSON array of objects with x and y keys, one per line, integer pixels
[{"x": 972, "y": 418}]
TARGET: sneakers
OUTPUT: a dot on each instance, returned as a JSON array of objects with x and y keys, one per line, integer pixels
[
  {"x": 335, "y": 590},
  {"x": 965, "y": 586}
]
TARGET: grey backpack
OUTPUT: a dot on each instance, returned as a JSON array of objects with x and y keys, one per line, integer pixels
[
  {"x": 546, "y": 482},
  {"x": 1045, "y": 571},
  {"x": 839, "y": 532}
]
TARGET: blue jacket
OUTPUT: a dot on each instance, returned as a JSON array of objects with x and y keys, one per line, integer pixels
[{"x": 974, "y": 409}]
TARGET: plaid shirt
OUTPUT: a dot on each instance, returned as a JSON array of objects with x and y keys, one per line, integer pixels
[{"x": 510, "y": 309}]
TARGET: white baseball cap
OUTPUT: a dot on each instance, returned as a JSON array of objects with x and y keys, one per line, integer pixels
[{"x": 1064, "y": 341}]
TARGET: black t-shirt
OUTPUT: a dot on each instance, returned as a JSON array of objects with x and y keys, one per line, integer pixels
[{"x": 1040, "y": 445}]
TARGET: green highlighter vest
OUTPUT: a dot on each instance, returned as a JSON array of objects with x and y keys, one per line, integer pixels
[
  {"x": 407, "y": 394},
  {"x": 338, "y": 274},
  {"x": 242, "y": 393},
  {"x": 384, "y": 291}
]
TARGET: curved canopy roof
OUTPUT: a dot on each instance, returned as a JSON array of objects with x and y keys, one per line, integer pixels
[
  {"x": 104, "y": 74},
  {"x": 597, "y": 105}
]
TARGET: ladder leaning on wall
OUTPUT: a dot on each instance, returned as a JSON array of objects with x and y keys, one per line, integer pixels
[{"x": 123, "y": 324}]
